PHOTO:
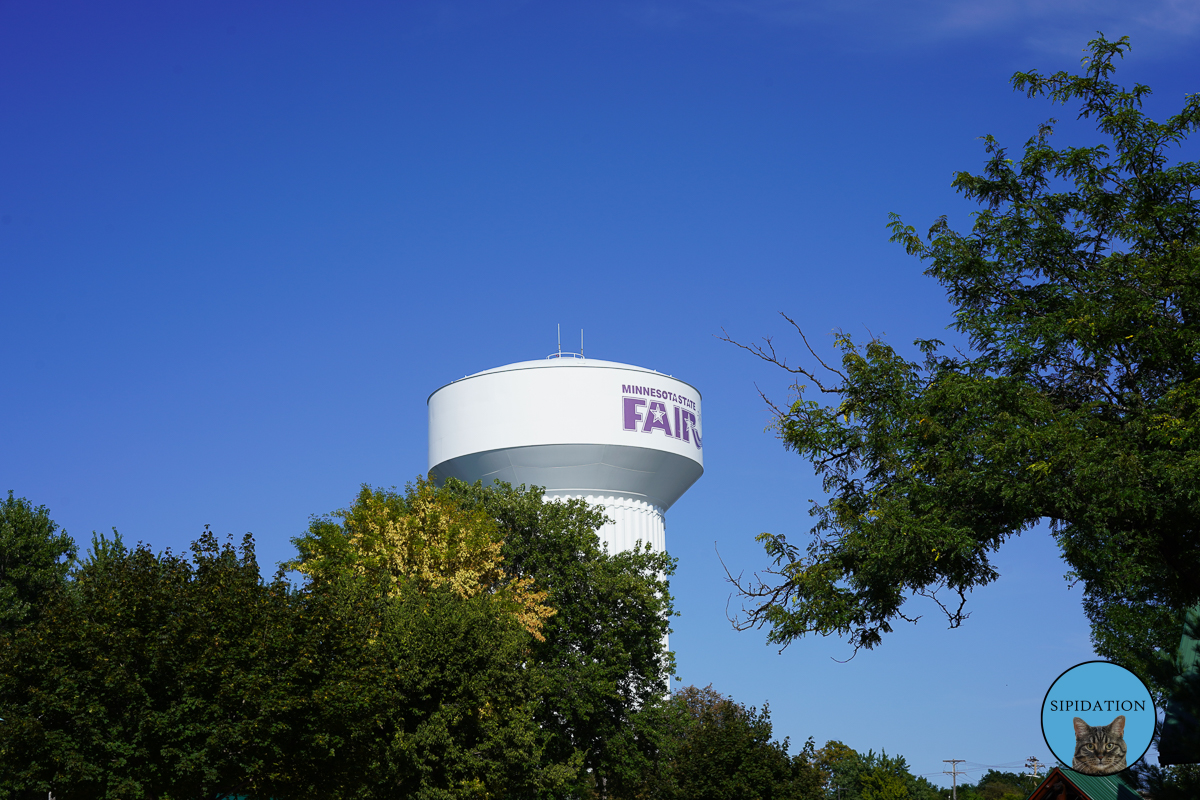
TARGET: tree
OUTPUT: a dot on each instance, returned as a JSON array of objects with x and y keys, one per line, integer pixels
[
  {"x": 148, "y": 678},
  {"x": 725, "y": 751},
  {"x": 1178, "y": 782},
  {"x": 34, "y": 560},
  {"x": 995, "y": 785},
  {"x": 155, "y": 675},
  {"x": 452, "y": 631},
  {"x": 598, "y": 648},
  {"x": 1078, "y": 401},
  {"x": 417, "y": 693},
  {"x": 850, "y": 775},
  {"x": 420, "y": 540},
  {"x": 603, "y": 657}
]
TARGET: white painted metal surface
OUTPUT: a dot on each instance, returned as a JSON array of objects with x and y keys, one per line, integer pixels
[{"x": 622, "y": 437}]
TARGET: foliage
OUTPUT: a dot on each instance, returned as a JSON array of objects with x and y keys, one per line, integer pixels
[
  {"x": 447, "y": 697},
  {"x": 725, "y": 751},
  {"x": 34, "y": 560},
  {"x": 598, "y": 620},
  {"x": 1179, "y": 782},
  {"x": 160, "y": 676},
  {"x": 1078, "y": 288},
  {"x": 422, "y": 658},
  {"x": 849, "y": 775},
  {"x": 421, "y": 539},
  {"x": 995, "y": 785},
  {"x": 603, "y": 658},
  {"x": 420, "y": 693},
  {"x": 138, "y": 682}
]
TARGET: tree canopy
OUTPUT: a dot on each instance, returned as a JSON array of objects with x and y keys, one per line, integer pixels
[
  {"x": 996, "y": 785},
  {"x": 448, "y": 643},
  {"x": 157, "y": 675},
  {"x": 1077, "y": 401},
  {"x": 597, "y": 619},
  {"x": 34, "y": 559},
  {"x": 723, "y": 750},
  {"x": 603, "y": 656},
  {"x": 850, "y": 775},
  {"x": 148, "y": 676},
  {"x": 422, "y": 539}
]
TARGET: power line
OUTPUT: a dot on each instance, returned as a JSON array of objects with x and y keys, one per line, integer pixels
[{"x": 976, "y": 766}]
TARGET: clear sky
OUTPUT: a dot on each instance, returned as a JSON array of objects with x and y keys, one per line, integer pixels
[{"x": 240, "y": 244}]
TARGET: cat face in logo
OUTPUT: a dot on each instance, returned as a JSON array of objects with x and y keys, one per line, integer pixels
[{"x": 1100, "y": 749}]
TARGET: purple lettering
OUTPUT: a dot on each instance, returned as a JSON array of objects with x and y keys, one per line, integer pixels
[
  {"x": 689, "y": 425},
  {"x": 632, "y": 415},
  {"x": 656, "y": 419},
  {"x": 685, "y": 422}
]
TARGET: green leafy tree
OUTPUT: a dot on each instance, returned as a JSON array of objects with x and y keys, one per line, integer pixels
[
  {"x": 162, "y": 676},
  {"x": 996, "y": 785},
  {"x": 603, "y": 656},
  {"x": 1078, "y": 401},
  {"x": 725, "y": 751},
  {"x": 417, "y": 693},
  {"x": 34, "y": 560},
  {"x": 836, "y": 762},
  {"x": 434, "y": 689},
  {"x": 850, "y": 775},
  {"x": 1177, "y": 782},
  {"x": 144, "y": 679}
]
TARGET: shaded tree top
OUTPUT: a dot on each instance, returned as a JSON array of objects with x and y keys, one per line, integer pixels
[{"x": 35, "y": 557}]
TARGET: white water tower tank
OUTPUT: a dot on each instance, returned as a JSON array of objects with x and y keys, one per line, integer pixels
[{"x": 621, "y": 437}]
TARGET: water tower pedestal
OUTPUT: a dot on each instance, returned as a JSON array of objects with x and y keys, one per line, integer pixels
[{"x": 633, "y": 520}]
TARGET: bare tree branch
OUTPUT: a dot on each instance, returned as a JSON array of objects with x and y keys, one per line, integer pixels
[{"x": 766, "y": 352}]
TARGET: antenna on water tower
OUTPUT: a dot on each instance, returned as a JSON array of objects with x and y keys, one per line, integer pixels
[{"x": 559, "y": 354}]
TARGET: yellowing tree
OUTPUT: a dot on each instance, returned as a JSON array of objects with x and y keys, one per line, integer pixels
[{"x": 421, "y": 539}]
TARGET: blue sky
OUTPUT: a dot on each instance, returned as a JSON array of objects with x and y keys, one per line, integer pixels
[{"x": 241, "y": 243}]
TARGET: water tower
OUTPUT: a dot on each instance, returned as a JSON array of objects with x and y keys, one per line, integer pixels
[{"x": 621, "y": 437}]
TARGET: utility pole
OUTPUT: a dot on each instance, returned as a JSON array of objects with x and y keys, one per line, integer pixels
[
  {"x": 953, "y": 771},
  {"x": 1033, "y": 765}
]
